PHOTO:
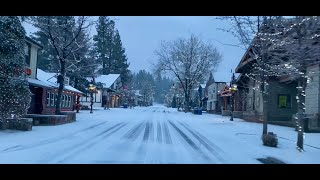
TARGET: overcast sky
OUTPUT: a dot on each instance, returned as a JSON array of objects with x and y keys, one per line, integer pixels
[{"x": 141, "y": 36}]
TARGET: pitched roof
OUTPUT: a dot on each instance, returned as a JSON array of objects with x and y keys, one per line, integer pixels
[
  {"x": 46, "y": 77},
  {"x": 107, "y": 80},
  {"x": 33, "y": 42},
  {"x": 38, "y": 83},
  {"x": 50, "y": 80},
  {"x": 137, "y": 93}
]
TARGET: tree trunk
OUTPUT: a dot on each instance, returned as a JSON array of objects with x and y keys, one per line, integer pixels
[
  {"x": 109, "y": 68},
  {"x": 61, "y": 85},
  {"x": 264, "y": 95},
  {"x": 301, "y": 112},
  {"x": 104, "y": 67},
  {"x": 187, "y": 102},
  {"x": 265, "y": 114}
]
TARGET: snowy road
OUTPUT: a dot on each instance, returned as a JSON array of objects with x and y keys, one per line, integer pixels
[{"x": 142, "y": 135}]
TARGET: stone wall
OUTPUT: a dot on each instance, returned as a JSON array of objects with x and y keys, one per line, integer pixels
[
  {"x": 226, "y": 113},
  {"x": 312, "y": 91},
  {"x": 23, "y": 124},
  {"x": 39, "y": 119},
  {"x": 237, "y": 114}
]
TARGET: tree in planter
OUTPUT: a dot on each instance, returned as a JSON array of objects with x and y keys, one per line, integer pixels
[
  {"x": 14, "y": 87},
  {"x": 63, "y": 32},
  {"x": 188, "y": 60}
]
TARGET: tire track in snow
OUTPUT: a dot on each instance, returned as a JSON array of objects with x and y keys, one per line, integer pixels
[
  {"x": 80, "y": 144},
  {"x": 12, "y": 148},
  {"x": 146, "y": 133},
  {"x": 212, "y": 148},
  {"x": 167, "y": 133},
  {"x": 184, "y": 136},
  {"x": 134, "y": 132},
  {"x": 151, "y": 131},
  {"x": 116, "y": 128},
  {"x": 159, "y": 133},
  {"x": 48, "y": 141},
  {"x": 188, "y": 140}
]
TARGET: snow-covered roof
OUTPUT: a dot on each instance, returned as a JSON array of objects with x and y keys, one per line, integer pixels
[
  {"x": 38, "y": 82},
  {"x": 70, "y": 88},
  {"x": 49, "y": 80},
  {"x": 107, "y": 80},
  {"x": 137, "y": 93},
  {"x": 28, "y": 39}
]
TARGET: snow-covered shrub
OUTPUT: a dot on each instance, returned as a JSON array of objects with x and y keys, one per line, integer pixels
[{"x": 270, "y": 139}]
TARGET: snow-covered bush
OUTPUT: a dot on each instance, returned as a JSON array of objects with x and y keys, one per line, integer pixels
[{"x": 270, "y": 139}]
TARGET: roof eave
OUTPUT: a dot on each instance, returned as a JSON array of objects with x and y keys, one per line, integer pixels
[{"x": 38, "y": 45}]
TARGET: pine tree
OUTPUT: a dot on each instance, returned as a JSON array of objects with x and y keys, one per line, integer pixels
[
  {"x": 120, "y": 64},
  {"x": 144, "y": 82},
  {"x": 209, "y": 82},
  {"x": 14, "y": 88},
  {"x": 103, "y": 42},
  {"x": 109, "y": 50},
  {"x": 47, "y": 60}
]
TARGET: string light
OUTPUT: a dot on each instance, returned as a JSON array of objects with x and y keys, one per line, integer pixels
[{"x": 15, "y": 94}]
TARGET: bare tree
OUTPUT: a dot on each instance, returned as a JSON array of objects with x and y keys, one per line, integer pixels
[
  {"x": 189, "y": 60},
  {"x": 299, "y": 48},
  {"x": 63, "y": 32},
  {"x": 257, "y": 33}
]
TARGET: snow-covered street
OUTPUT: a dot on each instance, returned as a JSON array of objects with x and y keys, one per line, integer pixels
[{"x": 153, "y": 134}]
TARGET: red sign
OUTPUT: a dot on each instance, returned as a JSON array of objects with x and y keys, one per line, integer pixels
[{"x": 28, "y": 71}]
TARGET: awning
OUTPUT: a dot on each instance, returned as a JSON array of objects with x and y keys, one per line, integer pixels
[{"x": 226, "y": 94}]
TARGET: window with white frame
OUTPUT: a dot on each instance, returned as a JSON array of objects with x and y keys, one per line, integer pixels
[
  {"x": 69, "y": 105},
  {"x": 62, "y": 104},
  {"x": 68, "y": 101},
  {"x": 65, "y": 100},
  {"x": 52, "y": 99},
  {"x": 48, "y": 98}
]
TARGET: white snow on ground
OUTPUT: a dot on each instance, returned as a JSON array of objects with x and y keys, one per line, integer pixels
[{"x": 152, "y": 135}]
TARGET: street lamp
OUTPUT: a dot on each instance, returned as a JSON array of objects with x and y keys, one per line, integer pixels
[
  {"x": 92, "y": 89},
  {"x": 233, "y": 89}
]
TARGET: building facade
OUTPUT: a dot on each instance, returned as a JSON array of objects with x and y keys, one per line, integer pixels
[
  {"x": 43, "y": 85},
  {"x": 110, "y": 92},
  {"x": 213, "y": 103}
]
